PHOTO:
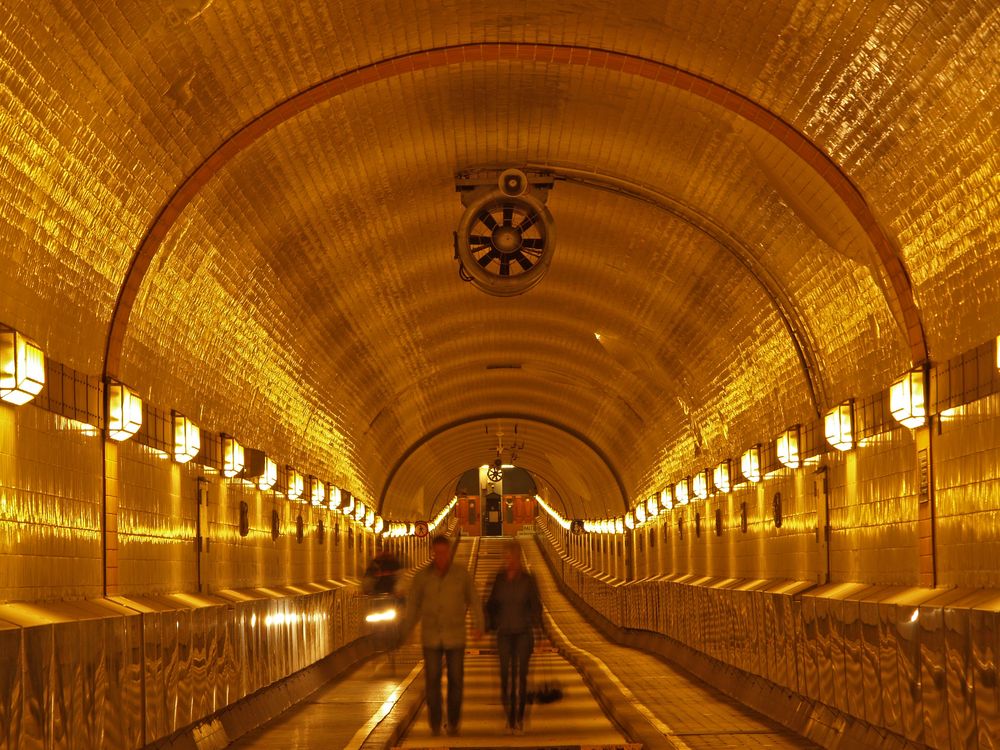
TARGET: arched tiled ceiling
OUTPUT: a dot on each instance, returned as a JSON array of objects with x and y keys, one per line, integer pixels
[
  {"x": 103, "y": 127},
  {"x": 579, "y": 477}
]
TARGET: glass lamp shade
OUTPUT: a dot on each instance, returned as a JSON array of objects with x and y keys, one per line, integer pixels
[
  {"x": 652, "y": 507},
  {"x": 750, "y": 464},
  {"x": 721, "y": 477},
  {"x": 124, "y": 411},
  {"x": 699, "y": 484},
  {"x": 787, "y": 446},
  {"x": 317, "y": 492},
  {"x": 269, "y": 477},
  {"x": 187, "y": 439},
  {"x": 667, "y": 498},
  {"x": 681, "y": 494},
  {"x": 296, "y": 484},
  {"x": 908, "y": 399},
  {"x": 839, "y": 428},
  {"x": 233, "y": 456},
  {"x": 22, "y": 368}
]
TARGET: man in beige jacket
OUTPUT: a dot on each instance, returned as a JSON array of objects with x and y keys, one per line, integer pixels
[{"x": 439, "y": 597}]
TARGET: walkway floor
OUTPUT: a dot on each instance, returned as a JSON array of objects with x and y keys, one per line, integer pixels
[
  {"x": 688, "y": 713},
  {"x": 691, "y": 714}
]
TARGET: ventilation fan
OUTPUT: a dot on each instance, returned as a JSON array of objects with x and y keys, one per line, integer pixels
[{"x": 506, "y": 236}]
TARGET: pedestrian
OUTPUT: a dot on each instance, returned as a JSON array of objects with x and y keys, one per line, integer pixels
[
  {"x": 439, "y": 597},
  {"x": 380, "y": 576},
  {"x": 513, "y": 610}
]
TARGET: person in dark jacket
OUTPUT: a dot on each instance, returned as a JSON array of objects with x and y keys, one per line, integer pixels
[{"x": 513, "y": 609}]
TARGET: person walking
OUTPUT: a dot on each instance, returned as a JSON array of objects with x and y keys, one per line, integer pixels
[
  {"x": 513, "y": 609},
  {"x": 439, "y": 597}
]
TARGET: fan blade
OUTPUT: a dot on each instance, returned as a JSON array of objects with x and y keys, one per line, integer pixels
[
  {"x": 537, "y": 243},
  {"x": 525, "y": 263},
  {"x": 480, "y": 239},
  {"x": 478, "y": 248},
  {"x": 505, "y": 266},
  {"x": 508, "y": 215},
  {"x": 536, "y": 254},
  {"x": 490, "y": 256},
  {"x": 529, "y": 220},
  {"x": 487, "y": 218}
]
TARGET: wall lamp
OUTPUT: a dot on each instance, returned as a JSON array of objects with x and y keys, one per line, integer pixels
[
  {"x": 652, "y": 507},
  {"x": 699, "y": 484},
  {"x": 667, "y": 498},
  {"x": 187, "y": 439},
  {"x": 681, "y": 493},
  {"x": 317, "y": 492},
  {"x": 124, "y": 411},
  {"x": 269, "y": 477},
  {"x": 233, "y": 456},
  {"x": 839, "y": 426},
  {"x": 908, "y": 399},
  {"x": 22, "y": 368},
  {"x": 788, "y": 448},
  {"x": 295, "y": 484},
  {"x": 379, "y": 524},
  {"x": 750, "y": 464},
  {"x": 369, "y": 518},
  {"x": 619, "y": 526},
  {"x": 639, "y": 513},
  {"x": 359, "y": 511},
  {"x": 722, "y": 476}
]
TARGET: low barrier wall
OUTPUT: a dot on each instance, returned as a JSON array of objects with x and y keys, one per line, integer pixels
[{"x": 865, "y": 666}]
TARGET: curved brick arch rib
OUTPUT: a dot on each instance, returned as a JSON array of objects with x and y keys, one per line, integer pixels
[
  {"x": 899, "y": 290},
  {"x": 488, "y": 417}
]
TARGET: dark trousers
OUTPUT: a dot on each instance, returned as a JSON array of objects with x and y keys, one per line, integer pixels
[
  {"x": 515, "y": 652},
  {"x": 432, "y": 675}
]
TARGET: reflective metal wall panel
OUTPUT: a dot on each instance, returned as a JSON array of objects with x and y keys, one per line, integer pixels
[
  {"x": 933, "y": 676},
  {"x": 871, "y": 673},
  {"x": 838, "y": 665},
  {"x": 960, "y": 680},
  {"x": 824, "y": 664},
  {"x": 37, "y": 686},
  {"x": 889, "y": 666},
  {"x": 910, "y": 692},
  {"x": 10, "y": 686},
  {"x": 850, "y": 620},
  {"x": 984, "y": 631},
  {"x": 810, "y": 648}
]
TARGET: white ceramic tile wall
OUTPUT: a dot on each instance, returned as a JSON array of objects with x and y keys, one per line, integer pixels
[
  {"x": 873, "y": 512},
  {"x": 967, "y": 485},
  {"x": 51, "y": 487}
]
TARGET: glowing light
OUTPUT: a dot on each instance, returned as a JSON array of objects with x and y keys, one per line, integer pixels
[
  {"x": 681, "y": 496},
  {"x": 721, "y": 477},
  {"x": 379, "y": 524},
  {"x": 317, "y": 492},
  {"x": 359, "y": 511},
  {"x": 439, "y": 518},
  {"x": 619, "y": 526},
  {"x": 788, "y": 447},
  {"x": 750, "y": 464},
  {"x": 652, "y": 507},
  {"x": 187, "y": 439},
  {"x": 336, "y": 498},
  {"x": 22, "y": 368},
  {"x": 124, "y": 411},
  {"x": 915, "y": 616},
  {"x": 699, "y": 484},
  {"x": 839, "y": 427},
  {"x": 233, "y": 456},
  {"x": 640, "y": 513},
  {"x": 348, "y": 509},
  {"x": 295, "y": 484},
  {"x": 386, "y": 615},
  {"x": 908, "y": 399},
  {"x": 269, "y": 477},
  {"x": 369, "y": 518},
  {"x": 554, "y": 514},
  {"x": 667, "y": 498},
  {"x": 630, "y": 520}
]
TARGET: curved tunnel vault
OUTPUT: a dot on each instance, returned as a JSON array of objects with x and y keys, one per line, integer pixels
[{"x": 898, "y": 295}]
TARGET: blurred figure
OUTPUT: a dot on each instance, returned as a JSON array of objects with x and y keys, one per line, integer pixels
[
  {"x": 380, "y": 575},
  {"x": 513, "y": 610},
  {"x": 439, "y": 597}
]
